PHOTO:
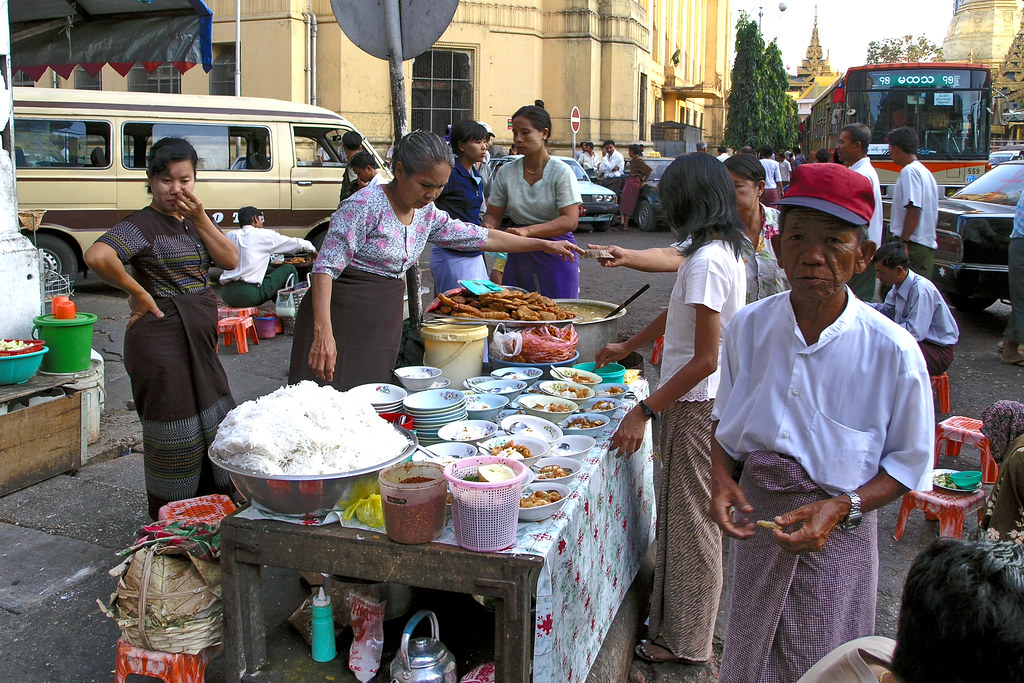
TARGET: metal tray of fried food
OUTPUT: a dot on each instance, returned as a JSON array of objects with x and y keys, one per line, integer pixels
[{"x": 433, "y": 313}]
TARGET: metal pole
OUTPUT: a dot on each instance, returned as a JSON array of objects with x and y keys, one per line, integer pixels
[{"x": 238, "y": 48}]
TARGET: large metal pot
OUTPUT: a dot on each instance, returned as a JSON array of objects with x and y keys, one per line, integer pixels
[
  {"x": 314, "y": 495},
  {"x": 595, "y": 333}
]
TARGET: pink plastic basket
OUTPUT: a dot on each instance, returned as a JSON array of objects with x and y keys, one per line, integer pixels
[{"x": 485, "y": 513}]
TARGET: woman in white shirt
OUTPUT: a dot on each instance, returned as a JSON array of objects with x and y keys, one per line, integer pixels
[
  {"x": 700, "y": 202},
  {"x": 772, "y": 176}
]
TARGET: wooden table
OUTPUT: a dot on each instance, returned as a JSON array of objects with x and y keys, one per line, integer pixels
[{"x": 246, "y": 545}]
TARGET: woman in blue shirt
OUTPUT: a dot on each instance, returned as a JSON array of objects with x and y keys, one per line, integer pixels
[{"x": 462, "y": 198}]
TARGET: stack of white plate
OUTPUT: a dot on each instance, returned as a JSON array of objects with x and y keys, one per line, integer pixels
[
  {"x": 433, "y": 409},
  {"x": 385, "y": 398}
]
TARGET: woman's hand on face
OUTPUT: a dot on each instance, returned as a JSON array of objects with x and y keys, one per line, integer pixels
[
  {"x": 141, "y": 304},
  {"x": 190, "y": 206},
  {"x": 323, "y": 355},
  {"x": 609, "y": 353},
  {"x": 567, "y": 250},
  {"x": 630, "y": 434}
]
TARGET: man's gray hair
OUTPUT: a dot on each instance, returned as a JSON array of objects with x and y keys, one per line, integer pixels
[
  {"x": 419, "y": 151},
  {"x": 701, "y": 146}
]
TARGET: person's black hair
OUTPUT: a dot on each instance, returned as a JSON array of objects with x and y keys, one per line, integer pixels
[
  {"x": 700, "y": 202},
  {"x": 745, "y": 166},
  {"x": 538, "y": 117},
  {"x": 363, "y": 160},
  {"x": 892, "y": 255},
  {"x": 537, "y": 103},
  {"x": 420, "y": 150},
  {"x": 165, "y": 152},
  {"x": 823, "y": 156},
  {"x": 466, "y": 131},
  {"x": 858, "y": 133},
  {"x": 904, "y": 138},
  {"x": 608, "y": 142},
  {"x": 722, "y": 149},
  {"x": 796, "y": 149},
  {"x": 766, "y": 151},
  {"x": 351, "y": 140},
  {"x": 637, "y": 149},
  {"x": 247, "y": 214},
  {"x": 786, "y": 210},
  {"x": 962, "y": 614},
  {"x": 748, "y": 149}
]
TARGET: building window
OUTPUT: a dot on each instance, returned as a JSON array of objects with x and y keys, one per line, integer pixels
[
  {"x": 165, "y": 79},
  {"x": 442, "y": 90},
  {"x": 24, "y": 80},
  {"x": 222, "y": 77},
  {"x": 83, "y": 81}
]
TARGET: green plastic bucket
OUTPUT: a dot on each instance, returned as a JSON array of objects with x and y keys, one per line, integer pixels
[{"x": 70, "y": 341}]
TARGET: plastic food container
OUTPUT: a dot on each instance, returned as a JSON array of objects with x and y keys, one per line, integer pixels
[
  {"x": 613, "y": 372},
  {"x": 20, "y": 368},
  {"x": 415, "y": 497}
]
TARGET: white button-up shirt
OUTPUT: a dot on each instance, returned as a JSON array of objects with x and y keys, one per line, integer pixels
[
  {"x": 916, "y": 187},
  {"x": 856, "y": 401},
  {"x": 917, "y": 307},
  {"x": 865, "y": 168},
  {"x": 612, "y": 165},
  {"x": 255, "y": 245}
]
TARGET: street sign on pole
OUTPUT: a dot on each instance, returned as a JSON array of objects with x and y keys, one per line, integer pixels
[{"x": 574, "y": 123}]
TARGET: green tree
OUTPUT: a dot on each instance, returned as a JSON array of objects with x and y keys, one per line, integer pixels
[
  {"x": 760, "y": 108},
  {"x": 905, "y": 49}
]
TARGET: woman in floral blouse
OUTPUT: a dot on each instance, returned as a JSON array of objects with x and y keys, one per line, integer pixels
[
  {"x": 352, "y": 317},
  {"x": 1003, "y": 424}
]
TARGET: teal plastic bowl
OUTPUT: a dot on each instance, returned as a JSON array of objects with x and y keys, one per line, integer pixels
[
  {"x": 966, "y": 480},
  {"x": 20, "y": 368},
  {"x": 612, "y": 373}
]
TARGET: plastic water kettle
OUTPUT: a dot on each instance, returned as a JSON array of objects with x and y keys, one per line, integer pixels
[{"x": 422, "y": 660}]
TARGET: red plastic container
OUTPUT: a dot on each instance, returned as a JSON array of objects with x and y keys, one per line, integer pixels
[{"x": 266, "y": 328}]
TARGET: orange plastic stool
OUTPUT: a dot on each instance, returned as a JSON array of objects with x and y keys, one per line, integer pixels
[
  {"x": 950, "y": 508},
  {"x": 237, "y": 330},
  {"x": 659, "y": 348},
  {"x": 940, "y": 385},
  {"x": 211, "y": 509},
  {"x": 227, "y": 312},
  {"x": 170, "y": 667},
  {"x": 956, "y": 431}
]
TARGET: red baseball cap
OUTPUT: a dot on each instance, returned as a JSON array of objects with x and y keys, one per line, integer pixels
[{"x": 832, "y": 189}]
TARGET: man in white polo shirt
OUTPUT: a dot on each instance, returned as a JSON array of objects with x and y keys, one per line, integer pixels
[
  {"x": 853, "y": 144},
  {"x": 915, "y": 202}
]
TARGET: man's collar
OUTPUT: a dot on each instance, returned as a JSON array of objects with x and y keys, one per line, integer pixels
[
  {"x": 845, "y": 319},
  {"x": 903, "y": 289}
]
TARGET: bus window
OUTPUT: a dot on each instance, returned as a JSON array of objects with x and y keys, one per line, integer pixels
[
  {"x": 219, "y": 147},
  {"x": 319, "y": 147},
  {"x": 61, "y": 143}
]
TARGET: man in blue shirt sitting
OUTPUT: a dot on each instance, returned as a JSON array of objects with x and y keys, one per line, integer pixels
[{"x": 915, "y": 304}]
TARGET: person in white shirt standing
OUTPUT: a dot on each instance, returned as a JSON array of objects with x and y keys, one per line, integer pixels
[
  {"x": 250, "y": 284},
  {"x": 854, "y": 140},
  {"x": 915, "y": 202},
  {"x": 844, "y": 425},
  {"x": 772, "y": 176}
]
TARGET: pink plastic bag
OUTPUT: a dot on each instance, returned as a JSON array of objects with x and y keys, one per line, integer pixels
[
  {"x": 368, "y": 635},
  {"x": 548, "y": 344}
]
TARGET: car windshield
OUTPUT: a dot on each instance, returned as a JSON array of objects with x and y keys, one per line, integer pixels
[
  {"x": 658, "y": 167},
  {"x": 1001, "y": 185},
  {"x": 576, "y": 168}
]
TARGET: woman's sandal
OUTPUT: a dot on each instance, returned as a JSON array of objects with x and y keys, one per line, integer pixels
[{"x": 641, "y": 650}]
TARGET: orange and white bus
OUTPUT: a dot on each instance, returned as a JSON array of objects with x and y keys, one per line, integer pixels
[{"x": 948, "y": 104}]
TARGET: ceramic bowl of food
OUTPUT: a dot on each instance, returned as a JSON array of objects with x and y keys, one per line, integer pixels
[
  {"x": 602, "y": 405},
  {"x": 570, "y": 390},
  {"x": 509, "y": 388},
  {"x": 611, "y": 390},
  {"x": 588, "y": 424},
  {"x": 531, "y": 425},
  {"x": 485, "y": 406},
  {"x": 471, "y": 382},
  {"x": 468, "y": 431},
  {"x": 548, "y": 407},
  {"x": 573, "y": 446},
  {"x": 418, "y": 377},
  {"x": 532, "y": 505},
  {"x": 528, "y": 449},
  {"x": 524, "y": 374},
  {"x": 434, "y": 401},
  {"x": 589, "y": 379},
  {"x": 556, "y": 470},
  {"x": 446, "y": 452}
]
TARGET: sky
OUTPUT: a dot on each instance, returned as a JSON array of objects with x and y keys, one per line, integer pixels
[{"x": 846, "y": 43}]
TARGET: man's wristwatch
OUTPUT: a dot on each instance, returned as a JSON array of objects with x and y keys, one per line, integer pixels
[
  {"x": 852, "y": 520},
  {"x": 646, "y": 409}
]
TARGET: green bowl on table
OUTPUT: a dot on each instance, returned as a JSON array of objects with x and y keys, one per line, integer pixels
[
  {"x": 613, "y": 372},
  {"x": 968, "y": 480}
]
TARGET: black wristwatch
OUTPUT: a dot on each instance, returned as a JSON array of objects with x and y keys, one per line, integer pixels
[{"x": 646, "y": 409}]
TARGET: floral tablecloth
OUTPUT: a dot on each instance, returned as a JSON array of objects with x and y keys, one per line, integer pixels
[{"x": 592, "y": 549}]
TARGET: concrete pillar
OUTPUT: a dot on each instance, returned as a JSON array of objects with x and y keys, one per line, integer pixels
[{"x": 20, "y": 290}]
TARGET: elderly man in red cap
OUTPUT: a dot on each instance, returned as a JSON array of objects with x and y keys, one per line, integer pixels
[{"x": 824, "y": 414}]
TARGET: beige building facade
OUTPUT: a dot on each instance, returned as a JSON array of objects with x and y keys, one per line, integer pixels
[{"x": 626, "y": 64}]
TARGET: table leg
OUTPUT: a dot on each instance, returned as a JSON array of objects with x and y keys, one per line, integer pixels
[
  {"x": 513, "y": 627},
  {"x": 245, "y": 641}
]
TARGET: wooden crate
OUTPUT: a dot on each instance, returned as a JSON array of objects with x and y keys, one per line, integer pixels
[{"x": 41, "y": 441}]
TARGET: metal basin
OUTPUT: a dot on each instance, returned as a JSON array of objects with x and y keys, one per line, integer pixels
[
  {"x": 594, "y": 334},
  {"x": 313, "y": 495}
]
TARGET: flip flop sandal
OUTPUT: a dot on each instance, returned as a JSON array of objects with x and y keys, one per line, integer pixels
[
  {"x": 641, "y": 652},
  {"x": 1019, "y": 362}
]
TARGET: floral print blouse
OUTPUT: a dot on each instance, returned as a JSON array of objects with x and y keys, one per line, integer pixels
[{"x": 366, "y": 234}]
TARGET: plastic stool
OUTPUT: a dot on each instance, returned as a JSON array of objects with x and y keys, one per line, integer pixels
[
  {"x": 228, "y": 312},
  {"x": 940, "y": 385},
  {"x": 237, "y": 330},
  {"x": 170, "y": 667},
  {"x": 659, "y": 348},
  {"x": 957, "y": 430},
  {"x": 211, "y": 509},
  {"x": 950, "y": 508}
]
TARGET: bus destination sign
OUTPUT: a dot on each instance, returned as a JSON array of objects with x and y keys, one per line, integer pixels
[{"x": 885, "y": 80}]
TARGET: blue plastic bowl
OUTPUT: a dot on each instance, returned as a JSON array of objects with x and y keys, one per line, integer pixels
[
  {"x": 612, "y": 373},
  {"x": 20, "y": 368}
]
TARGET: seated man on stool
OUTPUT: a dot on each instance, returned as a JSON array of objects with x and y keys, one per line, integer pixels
[
  {"x": 250, "y": 284},
  {"x": 915, "y": 304}
]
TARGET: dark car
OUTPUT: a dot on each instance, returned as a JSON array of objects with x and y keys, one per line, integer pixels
[
  {"x": 648, "y": 213},
  {"x": 973, "y": 237}
]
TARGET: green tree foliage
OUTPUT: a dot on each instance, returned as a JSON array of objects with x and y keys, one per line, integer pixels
[
  {"x": 760, "y": 108},
  {"x": 905, "y": 49}
]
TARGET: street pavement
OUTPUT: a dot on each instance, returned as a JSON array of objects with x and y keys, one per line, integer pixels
[{"x": 60, "y": 537}]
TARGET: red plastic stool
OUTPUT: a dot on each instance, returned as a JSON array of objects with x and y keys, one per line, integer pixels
[
  {"x": 956, "y": 431},
  {"x": 940, "y": 385},
  {"x": 211, "y": 509},
  {"x": 950, "y": 508},
  {"x": 659, "y": 348},
  {"x": 228, "y": 312},
  {"x": 237, "y": 330},
  {"x": 170, "y": 667}
]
